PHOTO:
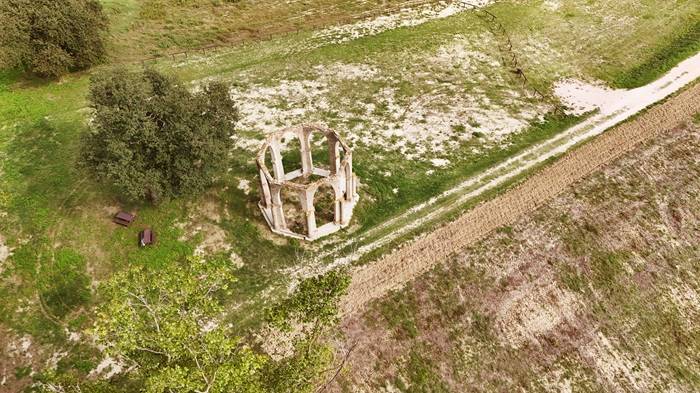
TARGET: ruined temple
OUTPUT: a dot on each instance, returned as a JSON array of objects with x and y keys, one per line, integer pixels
[{"x": 290, "y": 195}]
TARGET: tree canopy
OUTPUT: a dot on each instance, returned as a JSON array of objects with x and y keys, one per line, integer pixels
[
  {"x": 165, "y": 323},
  {"x": 51, "y": 37},
  {"x": 314, "y": 302},
  {"x": 152, "y": 138}
]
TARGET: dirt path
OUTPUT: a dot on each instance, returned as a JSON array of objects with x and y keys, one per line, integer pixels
[
  {"x": 614, "y": 108},
  {"x": 405, "y": 264}
]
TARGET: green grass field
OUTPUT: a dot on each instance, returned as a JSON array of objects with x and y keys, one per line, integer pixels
[{"x": 57, "y": 222}]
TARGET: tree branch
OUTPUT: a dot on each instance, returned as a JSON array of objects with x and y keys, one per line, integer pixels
[
  {"x": 150, "y": 310},
  {"x": 339, "y": 369}
]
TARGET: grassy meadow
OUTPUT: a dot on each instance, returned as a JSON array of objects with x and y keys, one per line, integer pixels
[{"x": 57, "y": 221}]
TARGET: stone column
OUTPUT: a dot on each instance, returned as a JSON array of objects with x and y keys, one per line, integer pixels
[
  {"x": 307, "y": 164},
  {"x": 277, "y": 167},
  {"x": 338, "y": 212},
  {"x": 349, "y": 180},
  {"x": 264, "y": 190},
  {"x": 344, "y": 211},
  {"x": 278, "y": 221},
  {"x": 333, "y": 154},
  {"x": 307, "y": 205}
]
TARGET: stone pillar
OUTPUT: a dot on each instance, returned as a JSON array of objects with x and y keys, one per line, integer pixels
[
  {"x": 264, "y": 190},
  {"x": 277, "y": 167},
  {"x": 337, "y": 198},
  {"x": 333, "y": 154},
  {"x": 307, "y": 165},
  {"x": 278, "y": 221},
  {"x": 344, "y": 209},
  {"x": 349, "y": 180},
  {"x": 307, "y": 205}
]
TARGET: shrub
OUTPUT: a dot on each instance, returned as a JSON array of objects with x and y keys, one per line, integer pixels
[
  {"x": 153, "y": 138},
  {"x": 51, "y": 37}
]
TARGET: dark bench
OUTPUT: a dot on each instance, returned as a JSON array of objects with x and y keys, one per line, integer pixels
[
  {"x": 124, "y": 218},
  {"x": 146, "y": 237}
]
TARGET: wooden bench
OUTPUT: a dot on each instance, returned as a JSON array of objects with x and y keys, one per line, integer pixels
[
  {"x": 124, "y": 218},
  {"x": 146, "y": 237}
]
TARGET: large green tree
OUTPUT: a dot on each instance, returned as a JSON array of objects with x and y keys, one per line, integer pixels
[
  {"x": 314, "y": 306},
  {"x": 165, "y": 322},
  {"x": 51, "y": 37},
  {"x": 153, "y": 138}
]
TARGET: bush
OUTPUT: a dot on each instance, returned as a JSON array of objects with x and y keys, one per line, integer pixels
[
  {"x": 51, "y": 37},
  {"x": 153, "y": 138}
]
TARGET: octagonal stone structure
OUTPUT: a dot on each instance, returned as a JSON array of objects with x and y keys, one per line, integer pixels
[{"x": 306, "y": 181}]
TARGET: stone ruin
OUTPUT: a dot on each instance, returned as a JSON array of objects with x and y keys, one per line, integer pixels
[{"x": 292, "y": 198}]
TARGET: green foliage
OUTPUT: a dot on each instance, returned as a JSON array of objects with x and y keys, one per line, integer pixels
[
  {"x": 165, "y": 323},
  {"x": 51, "y": 37},
  {"x": 50, "y": 381},
  {"x": 314, "y": 302},
  {"x": 299, "y": 372},
  {"x": 154, "y": 138},
  {"x": 22, "y": 372}
]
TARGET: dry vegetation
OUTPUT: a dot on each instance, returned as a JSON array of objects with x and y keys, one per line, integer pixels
[
  {"x": 426, "y": 102},
  {"x": 407, "y": 263},
  {"x": 157, "y": 27},
  {"x": 598, "y": 291}
]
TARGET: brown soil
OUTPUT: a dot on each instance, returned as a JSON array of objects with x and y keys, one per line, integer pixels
[
  {"x": 405, "y": 264},
  {"x": 16, "y": 355},
  {"x": 597, "y": 291}
]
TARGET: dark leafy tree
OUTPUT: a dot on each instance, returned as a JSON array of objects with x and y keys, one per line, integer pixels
[
  {"x": 51, "y": 37},
  {"x": 153, "y": 138}
]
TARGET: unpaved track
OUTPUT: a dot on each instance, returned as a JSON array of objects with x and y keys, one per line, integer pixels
[
  {"x": 405, "y": 264},
  {"x": 623, "y": 105}
]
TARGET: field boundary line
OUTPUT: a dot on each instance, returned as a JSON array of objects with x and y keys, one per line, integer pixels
[{"x": 406, "y": 263}]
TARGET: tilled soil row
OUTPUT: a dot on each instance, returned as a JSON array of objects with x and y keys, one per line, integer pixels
[{"x": 408, "y": 262}]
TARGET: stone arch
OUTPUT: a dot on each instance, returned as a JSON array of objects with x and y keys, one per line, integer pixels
[
  {"x": 291, "y": 153},
  {"x": 297, "y": 193},
  {"x": 325, "y": 202}
]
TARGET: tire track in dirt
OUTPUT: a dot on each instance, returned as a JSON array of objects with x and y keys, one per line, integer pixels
[{"x": 410, "y": 261}]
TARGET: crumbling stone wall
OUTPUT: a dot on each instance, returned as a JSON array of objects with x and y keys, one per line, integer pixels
[{"x": 337, "y": 174}]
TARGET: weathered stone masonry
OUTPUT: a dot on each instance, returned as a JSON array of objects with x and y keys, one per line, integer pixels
[{"x": 338, "y": 175}]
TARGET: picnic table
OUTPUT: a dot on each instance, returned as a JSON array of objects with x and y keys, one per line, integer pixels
[
  {"x": 124, "y": 218},
  {"x": 146, "y": 237}
]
